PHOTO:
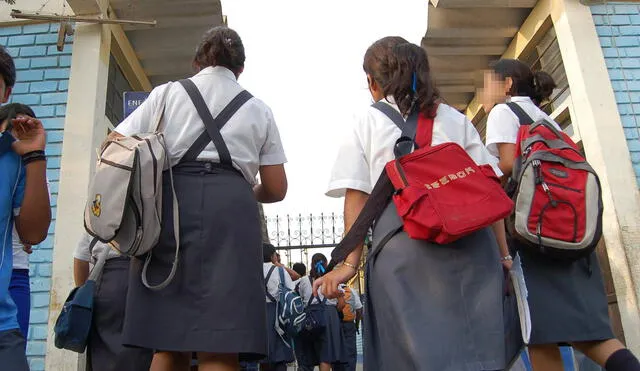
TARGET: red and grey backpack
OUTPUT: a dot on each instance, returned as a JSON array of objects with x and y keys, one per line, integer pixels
[{"x": 557, "y": 193}]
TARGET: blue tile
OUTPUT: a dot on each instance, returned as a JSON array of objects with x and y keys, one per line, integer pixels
[
  {"x": 44, "y": 270},
  {"x": 44, "y": 111},
  {"x": 631, "y": 133},
  {"x": 598, "y": 9},
  {"x": 630, "y": 30},
  {"x": 61, "y": 110},
  {"x": 54, "y": 98},
  {"x": 54, "y": 136},
  {"x": 52, "y": 50},
  {"x": 39, "y": 284},
  {"x": 22, "y": 63},
  {"x": 54, "y": 123},
  {"x": 52, "y": 174},
  {"x": 44, "y": 86},
  {"x": 630, "y": 63},
  {"x": 44, "y": 62},
  {"x": 40, "y": 300},
  {"x": 631, "y": 52},
  {"x": 39, "y": 315},
  {"x": 604, "y": 30},
  {"x": 54, "y": 149},
  {"x": 65, "y": 61},
  {"x": 613, "y": 52},
  {"x": 605, "y": 41},
  {"x": 63, "y": 86},
  {"x": 30, "y": 75},
  {"x": 38, "y": 332},
  {"x": 635, "y": 157},
  {"x": 36, "y": 347},
  {"x": 626, "y": 9},
  {"x": 36, "y": 28},
  {"x": 626, "y": 41},
  {"x": 57, "y": 74},
  {"x": 40, "y": 256},
  {"x": 28, "y": 99},
  {"x": 48, "y": 39},
  {"x": 33, "y": 51},
  {"x": 21, "y": 40},
  {"x": 618, "y": 20},
  {"x": 8, "y": 31},
  {"x": 53, "y": 163},
  {"x": 36, "y": 364},
  {"x": 634, "y": 145},
  {"x": 20, "y": 88}
]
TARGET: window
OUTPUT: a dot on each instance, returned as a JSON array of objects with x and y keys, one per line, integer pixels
[{"x": 116, "y": 86}]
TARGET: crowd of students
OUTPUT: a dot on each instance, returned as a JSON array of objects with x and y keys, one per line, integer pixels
[{"x": 428, "y": 307}]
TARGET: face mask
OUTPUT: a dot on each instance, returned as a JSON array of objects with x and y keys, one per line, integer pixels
[{"x": 6, "y": 139}]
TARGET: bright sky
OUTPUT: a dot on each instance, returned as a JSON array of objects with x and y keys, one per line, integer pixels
[{"x": 304, "y": 59}]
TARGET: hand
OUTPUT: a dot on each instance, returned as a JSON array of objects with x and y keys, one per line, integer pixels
[
  {"x": 328, "y": 284},
  {"x": 27, "y": 248},
  {"x": 30, "y": 135},
  {"x": 507, "y": 264}
]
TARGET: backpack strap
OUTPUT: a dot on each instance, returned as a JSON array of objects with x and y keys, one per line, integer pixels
[
  {"x": 406, "y": 143},
  {"x": 524, "y": 118},
  {"x": 212, "y": 126},
  {"x": 266, "y": 283},
  {"x": 282, "y": 281}
]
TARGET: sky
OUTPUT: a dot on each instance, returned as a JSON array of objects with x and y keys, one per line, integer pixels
[{"x": 304, "y": 59}]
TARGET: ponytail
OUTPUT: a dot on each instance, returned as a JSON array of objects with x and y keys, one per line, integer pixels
[
  {"x": 538, "y": 86},
  {"x": 543, "y": 86}
]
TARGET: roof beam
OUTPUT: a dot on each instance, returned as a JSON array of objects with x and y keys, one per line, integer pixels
[
  {"x": 472, "y": 32},
  {"x": 84, "y": 7},
  {"x": 466, "y": 50},
  {"x": 484, "y": 3}
]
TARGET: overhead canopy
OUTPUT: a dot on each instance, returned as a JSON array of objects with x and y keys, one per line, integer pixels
[
  {"x": 464, "y": 37},
  {"x": 166, "y": 50}
]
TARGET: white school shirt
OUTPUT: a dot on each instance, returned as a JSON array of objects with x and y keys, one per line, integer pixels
[
  {"x": 20, "y": 257},
  {"x": 82, "y": 250},
  {"x": 306, "y": 291},
  {"x": 368, "y": 146},
  {"x": 251, "y": 134},
  {"x": 274, "y": 280},
  {"x": 503, "y": 124},
  {"x": 355, "y": 301}
]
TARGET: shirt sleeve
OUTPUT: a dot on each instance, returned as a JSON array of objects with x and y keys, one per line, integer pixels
[
  {"x": 351, "y": 168},
  {"x": 288, "y": 282},
  {"x": 502, "y": 127},
  {"x": 18, "y": 195},
  {"x": 141, "y": 120},
  {"x": 272, "y": 151},
  {"x": 82, "y": 250},
  {"x": 477, "y": 150}
]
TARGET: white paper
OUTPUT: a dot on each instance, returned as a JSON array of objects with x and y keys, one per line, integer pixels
[{"x": 520, "y": 288}]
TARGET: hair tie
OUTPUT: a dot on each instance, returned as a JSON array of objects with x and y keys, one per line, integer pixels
[
  {"x": 320, "y": 267},
  {"x": 414, "y": 85}
]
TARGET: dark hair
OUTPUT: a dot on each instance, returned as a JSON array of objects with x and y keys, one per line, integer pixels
[
  {"x": 538, "y": 86},
  {"x": 7, "y": 68},
  {"x": 12, "y": 110},
  {"x": 394, "y": 62},
  {"x": 300, "y": 268},
  {"x": 220, "y": 46},
  {"x": 267, "y": 252},
  {"x": 318, "y": 260}
]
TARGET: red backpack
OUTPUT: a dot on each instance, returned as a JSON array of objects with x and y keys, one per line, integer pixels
[
  {"x": 440, "y": 193},
  {"x": 557, "y": 193}
]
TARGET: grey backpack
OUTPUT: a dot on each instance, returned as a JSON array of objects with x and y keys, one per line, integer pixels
[{"x": 124, "y": 207}]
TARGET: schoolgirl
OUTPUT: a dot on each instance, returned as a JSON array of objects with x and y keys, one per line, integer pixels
[
  {"x": 280, "y": 353},
  {"x": 428, "y": 307},
  {"x": 215, "y": 305},
  {"x": 567, "y": 300},
  {"x": 326, "y": 350}
]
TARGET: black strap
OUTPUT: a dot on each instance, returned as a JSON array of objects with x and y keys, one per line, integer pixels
[
  {"x": 212, "y": 126},
  {"x": 407, "y": 141},
  {"x": 524, "y": 118},
  {"x": 266, "y": 284},
  {"x": 383, "y": 190}
]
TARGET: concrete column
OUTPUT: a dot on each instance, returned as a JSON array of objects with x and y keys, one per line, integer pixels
[
  {"x": 598, "y": 120},
  {"x": 84, "y": 130}
]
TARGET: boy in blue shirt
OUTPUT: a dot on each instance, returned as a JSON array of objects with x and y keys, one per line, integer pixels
[{"x": 24, "y": 200}]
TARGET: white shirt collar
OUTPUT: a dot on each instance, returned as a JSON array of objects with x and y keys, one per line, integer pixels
[
  {"x": 520, "y": 99},
  {"x": 218, "y": 70}
]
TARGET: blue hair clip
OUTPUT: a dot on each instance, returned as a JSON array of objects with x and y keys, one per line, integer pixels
[
  {"x": 320, "y": 267},
  {"x": 414, "y": 86}
]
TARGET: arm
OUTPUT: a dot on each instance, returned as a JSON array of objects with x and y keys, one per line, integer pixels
[
  {"x": 501, "y": 238},
  {"x": 32, "y": 223},
  {"x": 507, "y": 153},
  {"x": 353, "y": 204},
  {"x": 293, "y": 274},
  {"x": 273, "y": 186},
  {"x": 80, "y": 271}
]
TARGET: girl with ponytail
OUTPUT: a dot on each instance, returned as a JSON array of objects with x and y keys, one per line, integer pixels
[
  {"x": 567, "y": 300},
  {"x": 428, "y": 307}
]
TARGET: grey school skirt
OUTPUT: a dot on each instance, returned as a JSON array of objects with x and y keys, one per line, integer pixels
[
  {"x": 215, "y": 303},
  {"x": 567, "y": 300},
  {"x": 433, "y": 307}
]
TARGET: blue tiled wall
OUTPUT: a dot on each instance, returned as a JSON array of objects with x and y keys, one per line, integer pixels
[
  {"x": 43, "y": 78},
  {"x": 618, "y": 26}
]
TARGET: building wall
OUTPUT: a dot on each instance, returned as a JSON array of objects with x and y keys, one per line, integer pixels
[
  {"x": 42, "y": 83},
  {"x": 618, "y": 27}
]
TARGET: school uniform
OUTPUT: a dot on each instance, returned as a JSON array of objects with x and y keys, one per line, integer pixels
[
  {"x": 567, "y": 300},
  {"x": 215, "y": 303},
  {"x": 329, "y": 347},
  {"x": 279, "y": 352},
  {"x": 105, "y": 351},
  {"x": 429, "y": 306},
  {"x": 12, "y": 187}
]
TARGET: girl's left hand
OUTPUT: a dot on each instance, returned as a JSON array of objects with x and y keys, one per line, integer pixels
[
  {"x": 30, "y": 135},
  {"x": 328, "y": 284}
]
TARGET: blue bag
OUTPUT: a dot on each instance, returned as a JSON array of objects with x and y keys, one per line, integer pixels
[{"x": 74, "y": 322}]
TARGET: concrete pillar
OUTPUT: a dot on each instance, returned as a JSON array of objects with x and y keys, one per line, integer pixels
[
  {"x": 597, "y": 118},
  {"x": 84, "y": 130}
]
